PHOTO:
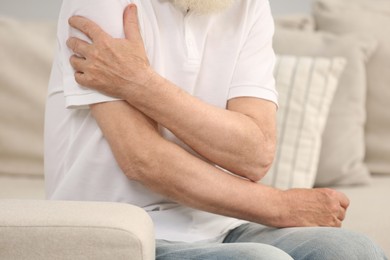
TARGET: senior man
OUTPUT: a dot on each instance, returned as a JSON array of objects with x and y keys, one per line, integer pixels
[{"x": 170, "y": 105}]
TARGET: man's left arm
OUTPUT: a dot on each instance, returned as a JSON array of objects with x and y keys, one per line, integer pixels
[{"x": 240, "y": 139}]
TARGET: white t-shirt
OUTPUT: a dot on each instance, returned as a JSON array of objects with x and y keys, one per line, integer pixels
[{"x": 213, "y": 57}]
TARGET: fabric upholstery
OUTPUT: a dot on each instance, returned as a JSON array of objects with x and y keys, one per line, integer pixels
[
  {"x": 369, "y": 212},
  {"x": 296, "y": 22},
  {"x": 74, "y": 230},
  {"x": 372, "y": 18},
  {"x": 26, "y": 54},
  {"x": 343, "y": 146},
  {"x": 19, "y": 187},
  {"x": 306, "y": 87}
]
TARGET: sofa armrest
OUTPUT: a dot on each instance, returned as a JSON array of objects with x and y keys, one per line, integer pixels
[{"x": 38, "y": 229}]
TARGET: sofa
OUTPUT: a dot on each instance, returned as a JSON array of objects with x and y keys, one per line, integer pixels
[{"x": 333, "y": 131}]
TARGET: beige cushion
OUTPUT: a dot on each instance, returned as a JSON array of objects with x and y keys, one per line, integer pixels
[
  {"x": 342, "y": 153},
  {"x": 367, "y": 17},
  {"x": 29, "y": 187},
  {"x": 74, "y": 230},
  {"x": 295, "y": 21},
  {"x": 25, "y": 60},
  {"x": 306, "y": 87},
  {"x": 369, "y": 212}
]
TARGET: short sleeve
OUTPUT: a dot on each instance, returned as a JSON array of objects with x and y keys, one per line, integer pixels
[
  {"x": 253, "y": 74},
  {"x": 109, "y": 16}
]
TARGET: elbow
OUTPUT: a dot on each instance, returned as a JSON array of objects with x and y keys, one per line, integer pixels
[
  {"x": 135, "y": 169},
  {"x": 258, "y": 172},
  {"x": 139, "y": 166},
  {"x": 261, "y": 162}
]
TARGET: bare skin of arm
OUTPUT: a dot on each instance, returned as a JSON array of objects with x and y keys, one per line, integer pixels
[
  {"x": 240, "y": 139},
  {"x": 164, "y": 167},
  {"x": 130, "y": 128}
]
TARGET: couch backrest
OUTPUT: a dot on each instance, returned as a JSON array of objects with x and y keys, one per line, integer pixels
[{"x": 26, "y": 53}]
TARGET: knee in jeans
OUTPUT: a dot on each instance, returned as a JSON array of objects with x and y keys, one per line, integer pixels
[
  {"x": 343, "y": 244},
  {"x": 249, "y": 251}
]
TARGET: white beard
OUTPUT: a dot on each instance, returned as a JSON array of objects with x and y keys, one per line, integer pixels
[{"x": 202, "y": 6}]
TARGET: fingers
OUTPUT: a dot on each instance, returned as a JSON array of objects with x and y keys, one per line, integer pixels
[
  {"x": 338, "y": 223},
  {"x": 89, "y": 28},
  {"x": 342, "y": 214},
  {"x": 344, "y": 201},
  {"x": 81, "y": 78},
  {"x": 130, "y": 22},
  {"x": 77, "y": 63},
  {"x": 342, "y": 205},
  {"x": 341, "y": 208},
  {"x": 78, "y": 46}
]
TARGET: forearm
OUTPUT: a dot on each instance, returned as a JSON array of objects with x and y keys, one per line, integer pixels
[
  {"x": 162, "y": 166},
  {"x": 228, "y": 138},
  {"x": 167, "y": 169},
  {"x": 192, "y": 182},
  {"x": 119, "y": 67}
]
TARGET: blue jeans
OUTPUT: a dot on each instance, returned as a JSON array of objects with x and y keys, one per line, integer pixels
[{"x": 252, "y": 241}]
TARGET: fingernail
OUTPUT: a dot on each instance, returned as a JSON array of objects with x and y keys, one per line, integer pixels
[{"x": 132, "y": 7}]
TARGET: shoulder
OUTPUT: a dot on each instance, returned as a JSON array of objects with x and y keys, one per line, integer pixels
[
  {"x": 254, "y": 6},
  {"x": 108, "y": 14},
  {"x": 260, "y": 16},
  {"x": 252, "y": 12},
  {"x": 95, "y": 6}
]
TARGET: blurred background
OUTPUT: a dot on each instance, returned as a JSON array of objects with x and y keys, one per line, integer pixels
[
  {"x": 354, "y": 34},
  {"x": 48, "y": 9}
]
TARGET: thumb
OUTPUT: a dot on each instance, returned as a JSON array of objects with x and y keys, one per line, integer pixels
[{"x": 130, "y": 22}]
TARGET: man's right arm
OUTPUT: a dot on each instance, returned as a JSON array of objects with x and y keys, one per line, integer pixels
[{"x": 169, "y": 170}]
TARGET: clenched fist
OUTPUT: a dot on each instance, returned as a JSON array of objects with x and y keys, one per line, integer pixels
[{"x": 313, "y": 207}]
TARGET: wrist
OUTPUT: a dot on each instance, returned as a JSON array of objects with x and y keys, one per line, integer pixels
[
  {"x": 279, "y": 208},
  {"x": 136, "y": 89}
]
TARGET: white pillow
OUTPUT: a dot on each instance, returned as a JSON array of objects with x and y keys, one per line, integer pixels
[
  {"x": 306, "y": 87},
  {"x": 344, "y": 130}
]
